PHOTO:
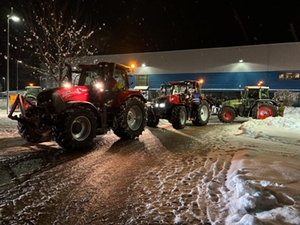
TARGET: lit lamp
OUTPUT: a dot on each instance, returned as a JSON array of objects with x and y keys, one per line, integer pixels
[
  {"x": 201, "y": 82},
  {"x": 16, "y": 19},
  {"x": 18, "y": 61}
]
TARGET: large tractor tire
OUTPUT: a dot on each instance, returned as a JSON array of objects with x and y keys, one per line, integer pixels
[
  {"x": 263, "y": 111},
  {"x": 178, "y": 117},
  {"x": 152, "y": 120},
  {"x": 76, "y": 129},
  {"x": 227, "y": 114},
  {"x": 202, "y": 114},
  {"x": 31, "y": 131},
  {"x": 131, "y": 119}
]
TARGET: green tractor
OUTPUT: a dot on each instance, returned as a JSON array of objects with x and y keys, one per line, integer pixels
[
  {"x": 32, "y": 91},
  {"x": 255, "y": 103}
]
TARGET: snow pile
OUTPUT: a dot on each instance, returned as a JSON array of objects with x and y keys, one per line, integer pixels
[
  {"x": 264, "y": 187},
  {"x": 275, "y": 126},
  {"x": 7, "y": 126}
]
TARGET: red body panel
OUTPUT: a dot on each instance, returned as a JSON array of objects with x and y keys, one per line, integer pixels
[
  {"x": 74, "y": 93},
  {"x": 173, "y": 99},
  {"x": 123, "y": 95}
]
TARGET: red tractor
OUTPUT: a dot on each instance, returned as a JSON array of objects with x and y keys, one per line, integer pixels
[
  {"x": 180, "y": 101},
  {"x": 74, "y": 115}
]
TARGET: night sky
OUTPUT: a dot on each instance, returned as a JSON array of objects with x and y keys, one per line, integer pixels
[
  {"x": 143, "y": 26},
  {"x": 159, "y": 25},
  {"x": 130, "y": 26}
]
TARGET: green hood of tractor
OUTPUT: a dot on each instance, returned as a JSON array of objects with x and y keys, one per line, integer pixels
[{"x": 233, "y": 103}]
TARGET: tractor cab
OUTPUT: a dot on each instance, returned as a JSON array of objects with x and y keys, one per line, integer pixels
[
  {"x": 253, "y": 93},
  {"x": 32, "y": 91}
]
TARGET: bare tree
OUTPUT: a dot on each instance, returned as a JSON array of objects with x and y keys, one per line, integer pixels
[
  {"x": 56, "y": 34},
  {"x": 287, "y": 97}
]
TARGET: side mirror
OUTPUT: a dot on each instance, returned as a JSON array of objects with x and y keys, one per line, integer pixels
[{"x": 67, "y": 73}]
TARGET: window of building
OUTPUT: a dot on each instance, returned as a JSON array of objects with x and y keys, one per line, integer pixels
[
  {"x": 289, "y": 76},
  {"x": 142, "y": 80},
  {"x": 281, "y": 76}
]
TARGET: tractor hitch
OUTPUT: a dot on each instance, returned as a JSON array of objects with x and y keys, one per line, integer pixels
[{"x": 18, "y": 103}]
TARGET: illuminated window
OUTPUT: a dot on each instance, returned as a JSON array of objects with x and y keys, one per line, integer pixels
[
  {"x": 281, "y": 76},
  {"x": 142, "y": 80},
  {"x": 289, "y": 76}
]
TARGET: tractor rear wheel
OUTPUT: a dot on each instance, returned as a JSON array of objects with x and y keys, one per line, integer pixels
[
  {"x": 178, "y": 117},
  {"x": 131, "y": 119},
  {"x": 33, "y": 131},
  {"x": 264, "y": 110},
  {"x": 76, "y": 129},
  {"x": 202, "y": 114},
  {"x": 226, "y": 114}
]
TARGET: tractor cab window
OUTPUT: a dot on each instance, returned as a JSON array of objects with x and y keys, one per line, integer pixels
[
  {"x": 90, "y": 77},
  {"x": 87, "y": 77},
  {"x": 119, "y": 76},
  {"x": 265, "y": 94},
  {"x": 253, "y": 94},
  {"x": 178, "y": 89}
]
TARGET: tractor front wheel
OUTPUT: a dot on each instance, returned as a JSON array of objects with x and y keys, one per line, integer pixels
[
  {"x": 202, "y": 114},
  {"x": 76, "y": 129},
  {"x": 178, "y": 117},
  {"x": 131, "y": 119},
  {"x": 264, "y": 110},
  {"x": 226, "y": 115}
]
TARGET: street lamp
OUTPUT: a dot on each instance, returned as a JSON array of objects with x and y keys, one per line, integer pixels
[
  {"x": 16, "y": 19},
  {"x": 18, "y": 61}
]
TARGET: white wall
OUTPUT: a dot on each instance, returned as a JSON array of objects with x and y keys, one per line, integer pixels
[{"x": 272, "y": 57}]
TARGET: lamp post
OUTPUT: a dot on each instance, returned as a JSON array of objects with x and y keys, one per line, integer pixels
[
  {"x": 3, "y": 82},
  {"x": 16, "y": 19},
  {"x": 18, "y": 61}
]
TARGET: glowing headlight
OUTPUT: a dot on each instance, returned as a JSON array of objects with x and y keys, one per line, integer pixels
[
  {"x": 162, "y": 105},
  {"x": 66, "y": 84},
  {"x": 99, "y": 86}
]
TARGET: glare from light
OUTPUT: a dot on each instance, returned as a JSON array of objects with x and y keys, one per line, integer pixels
[
  {"x": 241, "y": 60},
  {"x": 14, "y": 18},
  {"x": 260, "y": 83},
  {"x": 132, "y": 66},
  {"x": 162, "y": 105},
  {"x": 67, "y": 85},
  {"x": 143, "y": 65},
  {"x": 99, "y": 86}
]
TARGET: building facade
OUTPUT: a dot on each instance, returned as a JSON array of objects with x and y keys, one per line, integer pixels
[{"x": 222, "y": 69}]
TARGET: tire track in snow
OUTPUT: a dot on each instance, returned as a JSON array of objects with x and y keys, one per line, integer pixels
[{"x": 186, "y": 188}]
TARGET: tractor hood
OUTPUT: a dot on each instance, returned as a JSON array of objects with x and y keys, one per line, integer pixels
[
  {"x": 73, "y": 93},
  {"x": 232, "y": 102},
  {"x": 172, "y": 99},
  {"x": 55, "y": 99}
]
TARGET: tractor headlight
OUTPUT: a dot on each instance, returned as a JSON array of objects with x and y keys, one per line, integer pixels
[
  {"x": 99, "y": 86},
  {"x": 160, "y": 105},
  {"x": 66, "y": 84}
]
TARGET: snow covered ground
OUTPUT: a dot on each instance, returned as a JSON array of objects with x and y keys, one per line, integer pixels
[{"x": 261, "y": 187}]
